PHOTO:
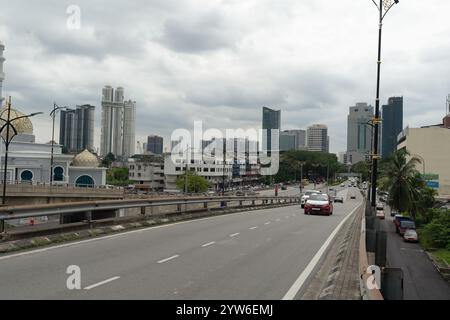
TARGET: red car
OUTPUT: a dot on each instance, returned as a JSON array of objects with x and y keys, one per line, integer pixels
[{"x": 319, "y": 204}]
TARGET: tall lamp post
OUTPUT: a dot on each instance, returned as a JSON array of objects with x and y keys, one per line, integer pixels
[
  {"x": 383, "y": 7},
  {"x": 53, "y": 114},
  {"x": 8, "y": 125},
  {"x": 302, "y": 163}
]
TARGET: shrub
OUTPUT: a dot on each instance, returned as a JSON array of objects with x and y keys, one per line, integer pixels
[{"x": 436, "y": 234}]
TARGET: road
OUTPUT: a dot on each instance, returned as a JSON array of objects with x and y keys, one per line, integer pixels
[
  {"x": 249, "y": 255},
  {"x": 421, "y": 280}
]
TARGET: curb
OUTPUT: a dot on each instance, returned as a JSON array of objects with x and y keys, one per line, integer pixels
[
  {"x": 35, "y": 242},
  {"x": 443, "y": 271}
]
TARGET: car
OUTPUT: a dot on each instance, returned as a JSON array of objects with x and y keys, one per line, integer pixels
[
  {"x": 306, "y": 196},
  {"x": 320, "y": 204},
  {"x": 398, "y": 219},
  {"x": 283, "y": 187},
  {"x": 380, "y": 214},
  {"x": 343, "y": 185},
  {"x": 411, "y": 236},
  {"x": 339, "y": 199},
  {"x": 393, "y": 213},
  {"x": 406, "y": 225},
  {"x": 352, "y": 196},
  {"x": 240, "y": 193}
]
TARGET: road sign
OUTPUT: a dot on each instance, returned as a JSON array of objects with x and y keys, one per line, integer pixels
[{"x": 433, "y": 184}]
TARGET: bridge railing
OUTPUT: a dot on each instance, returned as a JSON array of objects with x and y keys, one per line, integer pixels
[{"x": 88, "y": 207}]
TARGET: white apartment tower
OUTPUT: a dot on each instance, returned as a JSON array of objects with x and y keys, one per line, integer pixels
[
  {"x": 118, "y": 123},
  {"x": 2, "y": 74}
]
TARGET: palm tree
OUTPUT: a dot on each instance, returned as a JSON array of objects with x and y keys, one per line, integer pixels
[{"x": 401, "y": 175}]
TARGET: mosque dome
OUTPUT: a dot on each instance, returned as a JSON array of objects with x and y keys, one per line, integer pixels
[
  {"x": 22, "y": 125},
  {"x": 85, "y": 159}
]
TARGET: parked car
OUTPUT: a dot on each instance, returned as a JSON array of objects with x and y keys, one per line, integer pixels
[
  {"x": 406, "y": 225},
  {"x": 339, "y": 199},
  {"x": 283, "y": 187},
  {"x": 306, "y": 196},
  {"x": 410, "y": 236},
  {"x": 393, "y": 213},
  {"x": 343, "y": 185},
  {"x": 380, "y": 214},
  {"x": 320, "y": 204},
  {"x": 398, "y": 219}
]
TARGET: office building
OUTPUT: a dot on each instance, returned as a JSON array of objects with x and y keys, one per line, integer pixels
[
  {"x": 392, "y": 125},
  {"x": 118, "y": 123},
  {"x": 317, "y": 137},
  {"x": 293, "y": 140},
  {"x": 76, "y": 128},
  {"x": 359, "y": 132},
  {"x": 271, "y": 120},
  {"x": 155, "y": 144}
]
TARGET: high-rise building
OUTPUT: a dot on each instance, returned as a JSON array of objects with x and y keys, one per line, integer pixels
[
  {"x": 392, "y": 125},
  {"x": 359, "y": 131},
  {"x": 118, "y": 123},
  {"x": 317, "y": 137},
  {"x": 299, "y": 137},
  {"x": 2, "y": 74},
  {"x": 155, "y": 144},
  {"x": 271, "y": 121},
  {"x": 76, "y": 129}
]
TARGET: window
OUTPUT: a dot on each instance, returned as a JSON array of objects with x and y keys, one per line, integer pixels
[
  {"x": 213, "y": 169},
  {"x": 177, "y": 169},
  {"x": 26, "y": 176},
  {"x": 58, "y": 174},
  {"x": 84, "y": 181}
]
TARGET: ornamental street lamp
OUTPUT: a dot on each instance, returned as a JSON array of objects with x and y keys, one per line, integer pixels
[
  {"x": 9, "y": 125},
  {"x": 52, "y": 114},
  {"x": 383, "y": 7}
]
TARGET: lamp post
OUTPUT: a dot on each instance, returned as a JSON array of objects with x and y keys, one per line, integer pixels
[
  {"x": 52, "y": 114},
  {"x": 383, "y": 7},
  {"x": 302, "y": 163},
  {"x": 8, "y": 124}
]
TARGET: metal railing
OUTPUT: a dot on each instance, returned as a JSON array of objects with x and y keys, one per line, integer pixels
[{"x": 31, "y": 211}]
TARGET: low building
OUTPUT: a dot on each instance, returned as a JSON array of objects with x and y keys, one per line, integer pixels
[
  {"x": 147, "y": 172},
  {"x": 432, "y": 146}
]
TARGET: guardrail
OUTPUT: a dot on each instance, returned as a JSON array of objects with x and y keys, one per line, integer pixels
[
  {"x": 366, "y": 292},
  {"x": 29, "y": 211}
]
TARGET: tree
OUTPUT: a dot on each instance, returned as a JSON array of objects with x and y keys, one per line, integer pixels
[
  {"x": 108, "y": 160},
  {"x": 403, "y": 184},
  {"x": 195, "y": 183}
]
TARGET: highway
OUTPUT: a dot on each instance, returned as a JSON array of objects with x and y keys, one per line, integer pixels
[{"x": 257, "y": 254}]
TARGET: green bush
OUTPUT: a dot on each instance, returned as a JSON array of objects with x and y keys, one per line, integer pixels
[{"x": 436, "y": 234}]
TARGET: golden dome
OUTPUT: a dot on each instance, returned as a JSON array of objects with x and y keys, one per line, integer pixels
[
  {"x": 85, "y": 159},
  {"x": 22, "y": 125}
]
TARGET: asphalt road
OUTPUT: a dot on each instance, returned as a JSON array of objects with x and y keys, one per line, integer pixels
[
  {"x": 421, "y": 281},
  {"x": 250, "y": 255}
]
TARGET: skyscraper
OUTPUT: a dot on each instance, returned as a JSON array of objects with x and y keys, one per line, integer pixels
[
  {"x": 317, "y": 136},
  {"x": 155, "y": 144},
  {"x": 118, "y": 123},
  {"x": 271, "y": 121},
  {"x": 392, "y": 125},
  {"x": 2, "y": 74},
  {"x": 76, "y": 129},
  {"x": 359, "y": 131}
]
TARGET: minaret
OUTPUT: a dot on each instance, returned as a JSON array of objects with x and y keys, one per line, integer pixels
[{"x": 2, "y": 74}]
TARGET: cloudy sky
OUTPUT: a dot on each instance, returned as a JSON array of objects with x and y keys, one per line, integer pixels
[{"x": 220, "y": 61}]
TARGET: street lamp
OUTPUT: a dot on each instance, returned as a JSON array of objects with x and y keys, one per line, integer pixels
[
  {"x": 8, "y": 124},
  {"x": 301, "y": 163},
  {"x": 52, "y": 114},
  {"x": 383, "y": 7}
]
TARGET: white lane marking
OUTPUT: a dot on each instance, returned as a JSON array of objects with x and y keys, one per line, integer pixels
[
  {"x": 168, "y": 259},
  {"x": 70, "y": 244},
  {"x": 298, "y": 284},
  {"x": 101, "y": 283},
  {"x": 234, "y": 235},
  {"x": 208, "y": 244},
  {"x": 253, "y": 228},
  {"x": 267, "y": 223}
]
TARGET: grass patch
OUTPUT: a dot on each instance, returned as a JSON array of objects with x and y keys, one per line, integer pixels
[{"x": 442, "y": 255}]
